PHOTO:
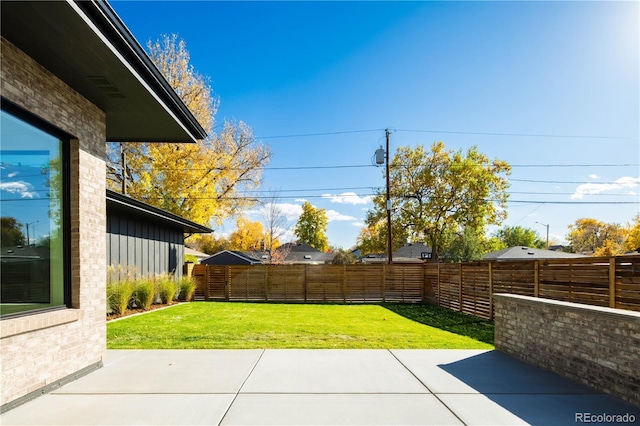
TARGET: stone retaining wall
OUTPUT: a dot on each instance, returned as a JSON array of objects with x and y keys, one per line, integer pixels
[{"x": 599, "y": 347}]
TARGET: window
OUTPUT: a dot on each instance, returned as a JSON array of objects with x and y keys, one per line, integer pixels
[{"x": 34, "y": 214}]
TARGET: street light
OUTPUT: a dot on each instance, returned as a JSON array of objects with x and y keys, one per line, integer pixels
[{"x": 547, "y": 225}]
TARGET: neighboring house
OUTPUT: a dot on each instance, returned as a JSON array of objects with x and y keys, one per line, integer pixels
[
  {"x": 230, "y": 257},
  {"x": 303, "y": 254},
  {"x": 527, "y": 253},
  {"x": 72, "y": 78},
  {"x": 409, "y": 253},
  {"x": 144, "y": 239}
]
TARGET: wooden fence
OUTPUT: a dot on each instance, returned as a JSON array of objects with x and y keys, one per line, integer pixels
[{"x": 465, "y": 287}]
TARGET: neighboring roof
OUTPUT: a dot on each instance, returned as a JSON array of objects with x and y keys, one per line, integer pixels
[
  {"x": 230, "y": 257},
  {"x": 298, "y": 248},
  {"x": 86, "y": 45},
  {"x": 413, "y": 251},
  {"x": 122, "y": 202},
  {"x": 524, "y": 253},
  {"x": 196, "y": 253},
  {"x": 382, "y": 258},
  {"x": 309, "y": 257}
]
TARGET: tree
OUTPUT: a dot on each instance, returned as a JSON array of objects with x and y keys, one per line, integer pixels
[
  {"x": 312, "y": 227},
  {"x": 466, "y": 246},
  {"x": 202, "y": 181},
  {"x": 437, "y": 193},
  {"x": 275, "y": 222},
  {"x": 518, "y": 236},
  {"x": 632, "y": 243},
  {"x": 211, "y": 244},
  {"x": 342, "y": 257},
  {"x": 588, "y": 235},
  {"x": 11, "y": 233},
  {"x": 248, "y": 236}
]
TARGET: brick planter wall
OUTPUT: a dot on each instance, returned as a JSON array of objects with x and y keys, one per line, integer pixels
[
  {"x": 40, "y": 350},
  {"x": 599, "y": 347}
]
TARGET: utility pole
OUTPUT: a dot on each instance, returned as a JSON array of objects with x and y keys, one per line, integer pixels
[
  {"x": 389, "y": 236},
  {"x": 123, "y": 156},
  {"x": 547, "y": 225}
]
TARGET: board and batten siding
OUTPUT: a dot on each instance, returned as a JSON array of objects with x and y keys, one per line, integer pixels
[{"x": 146, "y": 247}]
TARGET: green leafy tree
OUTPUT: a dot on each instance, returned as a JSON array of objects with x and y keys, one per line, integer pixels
[
  {"x": 518, "y": 236},
  {"x": 311, "y": 227},
  {"x": 437, "y": 193},
  {"x": 11, "y": 233},
  {"x": 466, "y": 246},
  {"x": 210, "y": 243}
]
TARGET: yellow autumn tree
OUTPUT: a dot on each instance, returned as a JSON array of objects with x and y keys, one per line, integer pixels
[
  {"x": 203, "y": 182},
  {"x": 632, "y": 243},
  {"x": 589, "y": 235},
  {"x": 248, "y": 236}
]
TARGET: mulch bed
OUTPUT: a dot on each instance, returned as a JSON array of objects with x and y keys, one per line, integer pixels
[{"x": 134, "y": 311}]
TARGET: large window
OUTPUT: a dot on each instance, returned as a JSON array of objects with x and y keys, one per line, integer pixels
[{"x": 33, "y": 200}]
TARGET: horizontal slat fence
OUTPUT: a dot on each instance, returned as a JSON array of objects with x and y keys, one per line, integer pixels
[{"x": 464, "y": 287}]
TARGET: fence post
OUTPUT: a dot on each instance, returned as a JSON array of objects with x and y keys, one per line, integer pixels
[
  {"x": 227, "y": 277},
  {"x": 344, "y": 283},
  {"x": 205, "y": 290},
  {"x": 490, "y": 290},
  {"x": 384, "y": 279},
  {"x": 438, "y": 285},
  {"x": 460, "y": 289},
  {"x": 612, "y": 282},
  {"x": 266, "y": 283},
  {"x": 304, "y": 282},
  {"x": 536, "y": 278}
]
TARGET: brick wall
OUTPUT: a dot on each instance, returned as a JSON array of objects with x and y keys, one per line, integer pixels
[
  {"x": 599, "y": 347},
  {"x": 39, "y": 350}
]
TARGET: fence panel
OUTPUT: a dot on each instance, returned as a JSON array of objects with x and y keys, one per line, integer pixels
[
  {"x": 465, "y": 287},
  {"x": 584, "y": 280}
]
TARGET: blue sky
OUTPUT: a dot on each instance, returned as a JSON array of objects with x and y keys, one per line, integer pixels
[{"x": 537, "y": 84}]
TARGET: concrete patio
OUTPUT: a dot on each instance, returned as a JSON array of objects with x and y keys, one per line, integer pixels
[{"x": 304, "y": 387}]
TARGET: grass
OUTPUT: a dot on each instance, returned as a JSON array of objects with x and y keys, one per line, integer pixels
[{"x": 217, "y": 325}]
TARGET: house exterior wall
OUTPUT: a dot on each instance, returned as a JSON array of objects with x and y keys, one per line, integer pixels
[
  {"x": 599, "y": 347},
  {"x": 39, "y": 350},
  {"x": 146, "y": 248}
]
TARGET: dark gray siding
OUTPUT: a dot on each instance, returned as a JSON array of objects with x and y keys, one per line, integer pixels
[{"x": 150, "y": 248}]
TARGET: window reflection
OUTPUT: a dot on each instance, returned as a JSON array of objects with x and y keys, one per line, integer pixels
[{"x": 31, "y": 252}]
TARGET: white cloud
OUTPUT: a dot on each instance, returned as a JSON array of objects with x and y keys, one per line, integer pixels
[
  {"x": 348, "y": 198},
  {"x": 593, "y": 176},
  {"x": 25, "y": 189},
  {"x": 290, "y": 211},
  {"x": 13, "y": 174},
  {"x": 300, "y": 200},
  {"x": 597, "y": 188},
  {"x": 358, "y": 224},
  {"x": 334, "y": 216}
]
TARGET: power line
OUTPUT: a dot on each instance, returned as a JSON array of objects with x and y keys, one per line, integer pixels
[
  {"x": 528, "y": 135},
  {"x": 531, "y": 135},
  {"x": 304, "y": 135}
]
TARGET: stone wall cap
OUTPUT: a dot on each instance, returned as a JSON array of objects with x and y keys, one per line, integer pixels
[{"x": 571, "y": 305}]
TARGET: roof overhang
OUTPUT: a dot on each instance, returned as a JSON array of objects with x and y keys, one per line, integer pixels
[
  {"x": 87, "y": 46},
  {"x": 135, "y": 207}
]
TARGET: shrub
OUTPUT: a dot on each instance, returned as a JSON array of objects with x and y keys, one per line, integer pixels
[
  {"x": 166, "y": 289},
  {"x": 187, "y": 288},
  {"x": 144, "y": 293},
  {"x": 119, "y": 296}
]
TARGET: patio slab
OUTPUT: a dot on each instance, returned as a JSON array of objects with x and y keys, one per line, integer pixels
[
  {"x": 486, "y": 372},
  {"x": 306, "y": 387},
  {"x": 339, "y": 409},
  {"x": 168, "y": 371},
  {"x": 331, "y": 371}
]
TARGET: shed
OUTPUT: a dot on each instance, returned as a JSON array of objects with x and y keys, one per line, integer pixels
[
  {"x": 146, "y": 238},
  {"x": 230, "y": 257}
]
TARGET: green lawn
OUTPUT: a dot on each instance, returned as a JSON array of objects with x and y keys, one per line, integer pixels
[{"x": 218, "y": 325}]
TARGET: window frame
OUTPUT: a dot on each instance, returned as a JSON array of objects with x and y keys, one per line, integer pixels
[{"x": 65, "y": 152}]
